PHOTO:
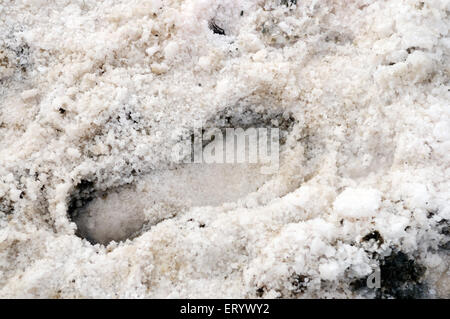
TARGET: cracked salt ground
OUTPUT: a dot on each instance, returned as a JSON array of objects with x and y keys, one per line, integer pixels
[{"x": 95, "y": 94}]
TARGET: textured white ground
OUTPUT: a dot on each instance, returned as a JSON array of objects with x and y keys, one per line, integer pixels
[{"x": 102, "y": 90}]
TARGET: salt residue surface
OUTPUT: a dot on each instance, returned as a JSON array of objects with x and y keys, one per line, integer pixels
[{"x": 101, "y": 91}]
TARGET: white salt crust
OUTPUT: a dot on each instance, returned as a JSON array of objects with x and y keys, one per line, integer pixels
[{"x": 102, "y": 90}]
